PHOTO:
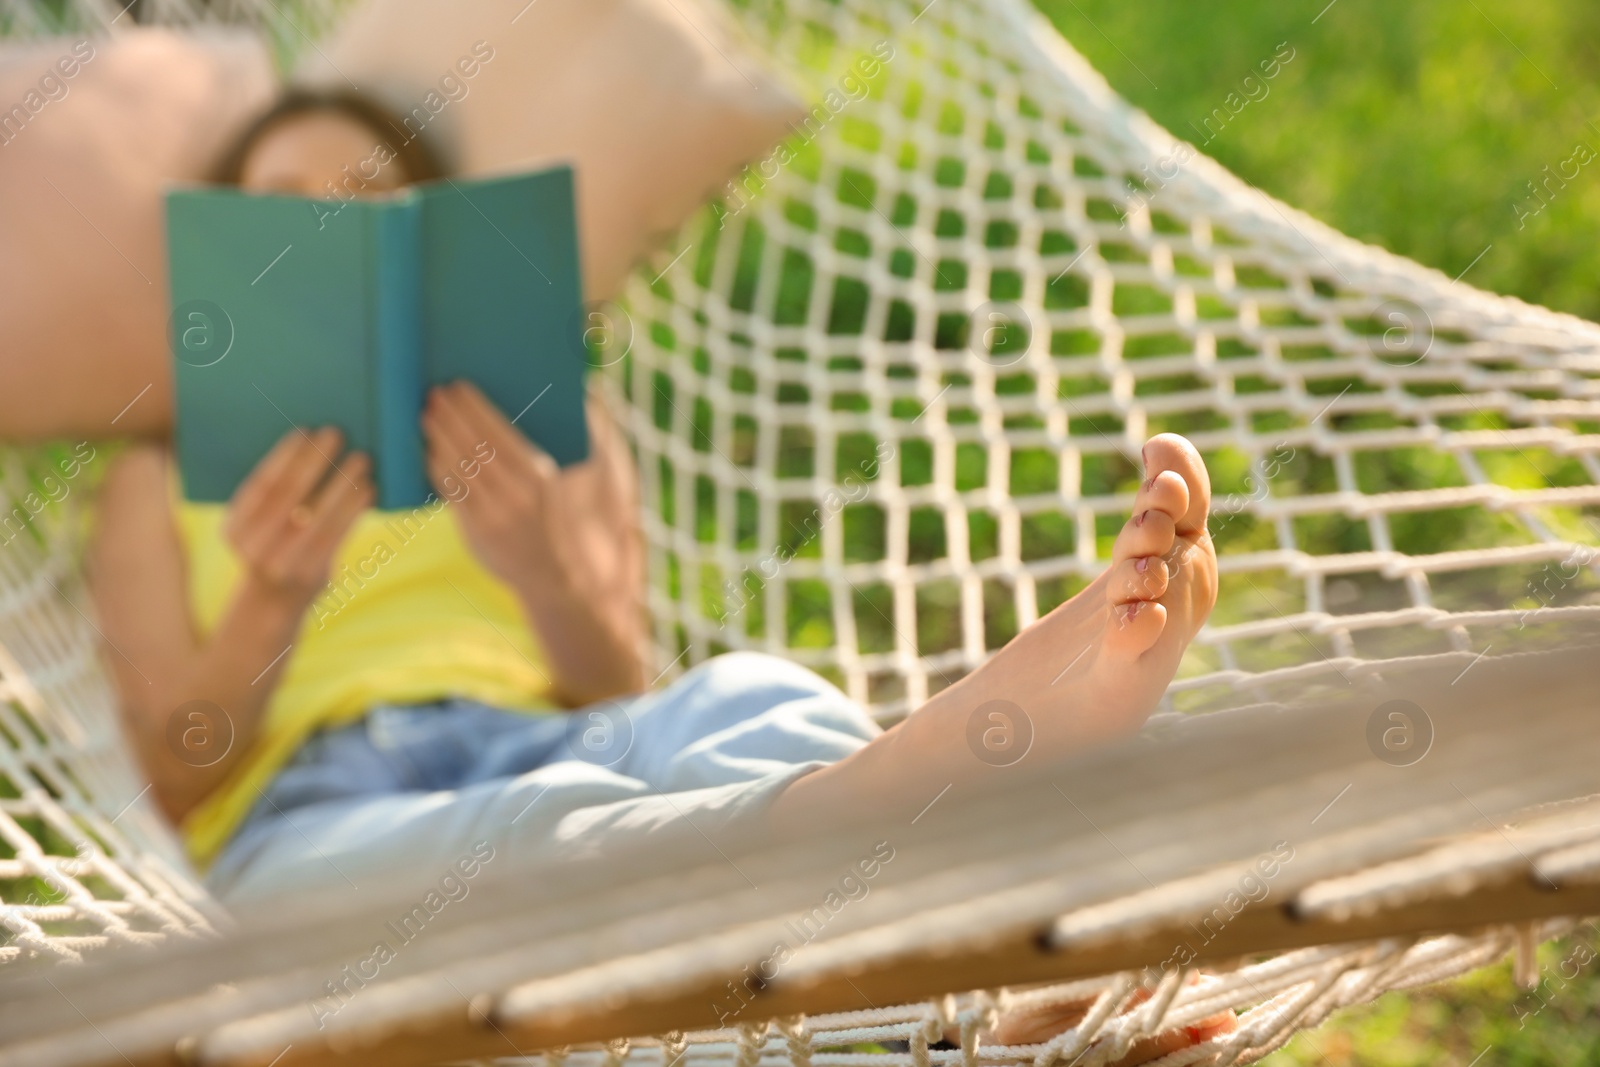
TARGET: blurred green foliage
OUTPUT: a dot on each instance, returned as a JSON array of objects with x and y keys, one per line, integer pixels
[
  {"x": 1414, "y": 126},
  {"x": 1484, "y": 1019}
]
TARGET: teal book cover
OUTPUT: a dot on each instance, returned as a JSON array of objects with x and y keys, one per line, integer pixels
[{"x": 296, "y": 311}]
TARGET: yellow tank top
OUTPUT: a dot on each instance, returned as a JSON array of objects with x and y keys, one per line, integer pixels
[{"x": 409, "y": 616}]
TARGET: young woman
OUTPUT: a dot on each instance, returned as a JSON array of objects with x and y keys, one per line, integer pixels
[{"x": 322, "y": 693}]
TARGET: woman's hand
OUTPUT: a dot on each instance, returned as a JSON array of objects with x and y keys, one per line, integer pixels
[
  {"x": 565, "y": 541},
  {"x": 287, "y": 519},
  {"x": 531, "y": 523},
  {"x": 509, "y": 495}
]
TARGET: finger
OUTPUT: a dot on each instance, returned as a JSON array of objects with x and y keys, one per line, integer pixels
[
  {"x": 341, "y": 500},
  {"x": 505, "y": 486},
  {"x": 459, "y": 428},
  {"x": 266, "y": 524},
  {"x": 248, "y": 498},
  {"x": 608, "y": 451},
  {"x": 618, "y": 483},
  {"x": 598, "y": 415},
  {"x": 1140, "y": 578},
  {"x": 516, "y": 460},
  {"x": 485, "y": 417},
  {"x": 453, "y": 455},
  {"x": 438, "y": 473},
  {"x": 445, "y": 477},
  {"x": 301, "y": 475}
]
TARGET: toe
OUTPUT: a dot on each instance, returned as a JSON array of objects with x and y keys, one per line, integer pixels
[
  {"x": 1141, "y": 578},
  {"x": 1159, "y": 1046},
  {"x": 1134, "y": 628},
  {"x": 1147, "y": 533},
  {"x": 1170, "y": 452},
  {"x": 1166, "y": 492}
]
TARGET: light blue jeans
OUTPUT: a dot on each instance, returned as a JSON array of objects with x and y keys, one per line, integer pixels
[{"x": 415, "y": 787}]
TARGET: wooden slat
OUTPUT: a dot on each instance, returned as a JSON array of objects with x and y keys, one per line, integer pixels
[
  {"x": 963, "y": 908},
  {"x": 468, "y": 1033}
]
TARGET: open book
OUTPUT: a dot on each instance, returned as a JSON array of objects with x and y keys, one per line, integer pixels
[{"x": 298, "y": 311}]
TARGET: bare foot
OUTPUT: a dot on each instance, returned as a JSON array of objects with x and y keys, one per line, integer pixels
[
  {"x": 1095, "y": 667},
  {"x": 1033, "y": 1026},
  {"x": 1091, "y": 670}
]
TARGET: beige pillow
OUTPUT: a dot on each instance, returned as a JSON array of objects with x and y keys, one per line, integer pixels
[
  {"x": 91, "y": 131},
  {"x": 657, "y": 103}
]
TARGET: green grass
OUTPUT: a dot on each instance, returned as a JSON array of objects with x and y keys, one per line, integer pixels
[
  {"x": 1482, "y": 1015},
  {"x": 1414, "y": 126}
]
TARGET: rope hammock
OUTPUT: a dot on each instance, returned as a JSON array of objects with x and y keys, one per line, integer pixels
[
  {"x": 1093, "y": 877},
  {"x": 887, "y": 399}
]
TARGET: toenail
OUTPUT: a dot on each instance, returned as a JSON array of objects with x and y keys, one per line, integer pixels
[
  {"x": 1143, "y": 564},
  {"x": 1133, "y": 609},
  {"x": 1138, "y": 520},
  {"x": 1150, "y": 483}
]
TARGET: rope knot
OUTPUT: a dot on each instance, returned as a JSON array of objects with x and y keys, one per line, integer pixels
[
  {"x": 752, "y": 1037},
  {"x": 673, "y": 1046},
  {"x": 982, "y": 1013},
  {"x": 616, "y": 1050},
  {"x": 798, "y": 1038}
]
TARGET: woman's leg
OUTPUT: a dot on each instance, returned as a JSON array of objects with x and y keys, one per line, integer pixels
[
  {"x": 735, "y": 718},
  {"x": 1090, "y": 671},
  {"x": 707, "y": 750}
]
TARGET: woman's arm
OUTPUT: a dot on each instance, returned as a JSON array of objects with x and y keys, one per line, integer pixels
[
  {"x": 567, "y": 542},
  {"x": 192, "y": 707}
]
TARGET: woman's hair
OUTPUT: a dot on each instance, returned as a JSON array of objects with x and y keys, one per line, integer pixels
[{"x": 409, "y": 150}]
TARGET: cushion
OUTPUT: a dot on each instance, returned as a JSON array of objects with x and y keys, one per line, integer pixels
[
  {"x": 90, "y": 133},
  {"x": 657, "y": 103}
]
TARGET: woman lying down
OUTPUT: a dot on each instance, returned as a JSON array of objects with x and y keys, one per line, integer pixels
[{"x": 386, "y": 685}]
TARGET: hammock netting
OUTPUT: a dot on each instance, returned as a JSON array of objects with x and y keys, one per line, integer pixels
[
  {"x": 987, "y": 285},
  {"x": 887, "y": 397}
]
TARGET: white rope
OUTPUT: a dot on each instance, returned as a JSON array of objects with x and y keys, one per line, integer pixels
[{"x": 786, "y": 386}]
